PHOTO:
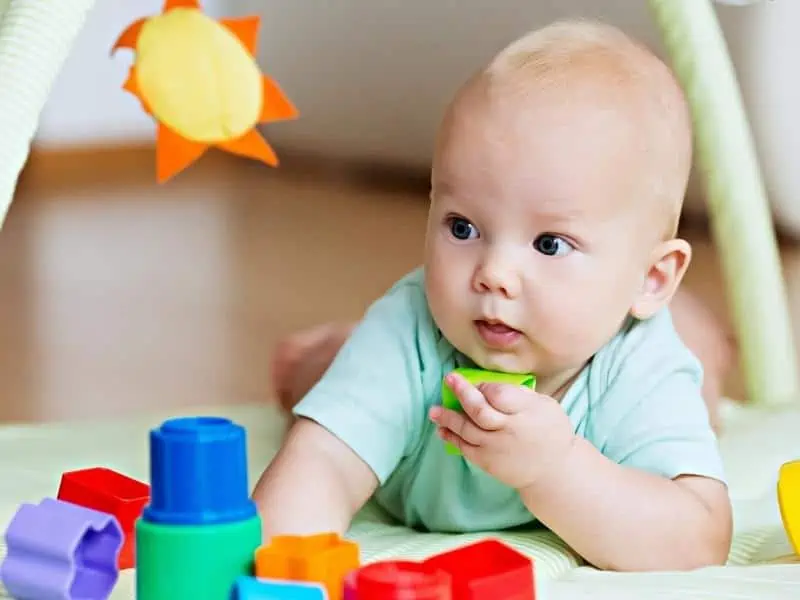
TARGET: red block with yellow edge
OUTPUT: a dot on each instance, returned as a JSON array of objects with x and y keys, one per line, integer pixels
[
  {"x": 110, "y": 492},
  {"x": 324, "y": 558},
  {"x": 487, "y": 570}
]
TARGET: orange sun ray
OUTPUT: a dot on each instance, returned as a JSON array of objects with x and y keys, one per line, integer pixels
[
  {"x": 246, "y": 29},
  {"x": 275, "y": 106},
  {"x": 130, "y": 36},
  {"x": 251, "y": 145},
  {"x": 131, "y": 85},
  {"x": 174, "y": 153},
  {"x": 170, "y": 4}
]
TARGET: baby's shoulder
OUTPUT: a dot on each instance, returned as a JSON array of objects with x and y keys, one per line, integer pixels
[
  {"x": 404, "y": 308},
  {"x": 642, "y": 371},
  {"x": 404, "y": 299},
  {"x": 643, "y": 406},
  {"x": 400, "y": 321},
  {"x": 645, "y": 350}
]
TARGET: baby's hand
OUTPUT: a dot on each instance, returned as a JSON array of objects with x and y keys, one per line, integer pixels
[{"x": 513, "y": 433}]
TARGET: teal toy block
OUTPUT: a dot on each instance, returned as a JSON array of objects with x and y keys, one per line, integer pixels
[
  {"x": 477, "y": 376},
  {"x": 252, "y": 588}
]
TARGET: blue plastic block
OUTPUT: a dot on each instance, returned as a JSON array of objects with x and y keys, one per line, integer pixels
[
  {"x": 198, "y": 473},
  {"x": 251, "y": 588}
]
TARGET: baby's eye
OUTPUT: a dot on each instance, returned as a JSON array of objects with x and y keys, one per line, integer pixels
[
  {"x": 461, "y": 228},
  {"x": 552, "y": 245}
]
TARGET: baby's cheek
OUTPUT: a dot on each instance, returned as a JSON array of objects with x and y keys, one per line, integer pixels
[
  {"x": 447, "y": 309},
  {"x": 572, "y": 325}
]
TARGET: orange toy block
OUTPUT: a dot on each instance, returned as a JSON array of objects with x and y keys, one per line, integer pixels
[{"x": 324, "y": 558}]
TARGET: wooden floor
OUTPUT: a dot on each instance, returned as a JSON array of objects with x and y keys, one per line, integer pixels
[{"x": 118, "y": 295}]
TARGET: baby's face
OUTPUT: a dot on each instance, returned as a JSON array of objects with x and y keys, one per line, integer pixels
[{"x": 536, "y": 245}]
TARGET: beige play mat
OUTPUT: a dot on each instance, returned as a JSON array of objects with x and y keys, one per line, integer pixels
[{"x": 755, "y": 444}]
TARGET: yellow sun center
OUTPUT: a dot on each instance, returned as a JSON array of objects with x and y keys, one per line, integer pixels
[{"x": 197, "y": 77}]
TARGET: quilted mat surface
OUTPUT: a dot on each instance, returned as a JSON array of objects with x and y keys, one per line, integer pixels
[{"x": 755, "y": 444}]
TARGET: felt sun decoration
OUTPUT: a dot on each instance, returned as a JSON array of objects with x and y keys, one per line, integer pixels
[{"x": 198, "y": 78}]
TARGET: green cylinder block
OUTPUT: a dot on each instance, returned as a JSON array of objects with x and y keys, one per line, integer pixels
[
  {"x": 197, "y": 562},
  {"x": 476, "y": 376}
]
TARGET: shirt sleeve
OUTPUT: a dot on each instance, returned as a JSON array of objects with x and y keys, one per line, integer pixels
[
  {"x": 371, "y": 396},
  {"x": 650, "y": 414}
]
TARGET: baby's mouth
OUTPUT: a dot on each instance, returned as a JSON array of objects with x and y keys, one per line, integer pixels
[
  {"x": 495, "y": 326},
  {"x": 496, "y": 333}
]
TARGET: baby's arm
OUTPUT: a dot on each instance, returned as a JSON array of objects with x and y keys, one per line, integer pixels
[
  {"x": 356, "y": 424},
  {"x": 622, "y": 518},
  {"x": 315, "y": 484},
  {"x": 644, "y": 488}
]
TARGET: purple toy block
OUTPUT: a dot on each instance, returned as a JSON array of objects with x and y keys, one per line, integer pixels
[{"x": 61, "y": 551}]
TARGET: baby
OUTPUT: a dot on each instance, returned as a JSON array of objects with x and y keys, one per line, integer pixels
[{"x": 557, "y": 182}]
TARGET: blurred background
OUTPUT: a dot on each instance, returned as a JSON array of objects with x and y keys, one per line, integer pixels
[{"x": 118, "y": 295}]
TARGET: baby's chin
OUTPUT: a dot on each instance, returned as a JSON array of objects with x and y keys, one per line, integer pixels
[{"x": 504, "y": 362}]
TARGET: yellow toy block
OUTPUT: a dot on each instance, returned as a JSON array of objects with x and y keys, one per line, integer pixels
[{"x": 789, "y": 501}]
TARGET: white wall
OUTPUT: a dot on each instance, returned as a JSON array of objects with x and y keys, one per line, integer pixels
[{"x": 371, "y": 78}]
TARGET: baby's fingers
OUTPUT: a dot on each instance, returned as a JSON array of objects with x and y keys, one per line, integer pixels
[
  {"x": 468, "y": 451},
  {"x": 457, "y": 424},
  {"x": 508, "y": 399},
  {"x": 475, "y": 404}
]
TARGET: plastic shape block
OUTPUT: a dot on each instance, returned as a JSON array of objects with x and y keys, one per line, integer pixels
[
  {"x": 487, "y": 570},
  {"x": 110, "y": 492},
  {"x": 59, "y": 551},
  {"x": 196, "y": 562},
  {"x": 198, "y": 473},
  {"x": 324, "y": 558},
  {"x": 789, "y": 501},
  {"x": 398, "y": 580},
  {"x": 477, "y": 376},
  {"x": 250, "y": 588},
  {"x": 350, "y": 592}
]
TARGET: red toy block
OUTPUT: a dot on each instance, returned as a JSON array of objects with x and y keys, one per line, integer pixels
[
  {"x": 398, "y": 580},
  {"x": 487, "y": 570},
  {"x": 110, "y": 492},
  {"x": 325, "y": 558}
]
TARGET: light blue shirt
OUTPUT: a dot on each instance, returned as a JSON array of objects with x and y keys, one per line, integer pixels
[{"x": 638, "y": 401}]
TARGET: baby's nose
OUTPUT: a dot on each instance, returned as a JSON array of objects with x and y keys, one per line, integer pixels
[{"x": 497, "y": 278}]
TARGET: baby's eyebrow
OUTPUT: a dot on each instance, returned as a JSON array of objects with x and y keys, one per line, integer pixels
[{"x": 554, "y": 214}]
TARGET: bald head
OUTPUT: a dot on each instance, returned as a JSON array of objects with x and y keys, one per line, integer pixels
[{"x": 598, "y": 67}]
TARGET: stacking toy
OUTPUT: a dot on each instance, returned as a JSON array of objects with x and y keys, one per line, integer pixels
[
  {"x": 486, "y": 570},
  {"x": 475, "y": 377},
  {"x": 110, "y": 492},
  {"x": 59, "y": 551},
  {"x": 200, "y": 531},
  {"x": 324, "y": 558},
  {"x": 251, "y": 588},
  {"x": 398, "y": 580}
]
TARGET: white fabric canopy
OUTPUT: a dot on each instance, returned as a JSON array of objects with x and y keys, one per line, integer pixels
[{"x": 35, "y": 39}]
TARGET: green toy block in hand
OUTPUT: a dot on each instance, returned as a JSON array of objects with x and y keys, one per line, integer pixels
[{"x": 476, "y": 376}]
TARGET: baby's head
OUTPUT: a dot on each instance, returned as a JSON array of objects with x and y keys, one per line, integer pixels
[{"x": 557, "y": 182}]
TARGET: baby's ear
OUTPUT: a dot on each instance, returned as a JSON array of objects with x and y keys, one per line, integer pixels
[{"x": 667, "y": 267}]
